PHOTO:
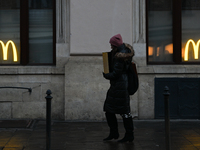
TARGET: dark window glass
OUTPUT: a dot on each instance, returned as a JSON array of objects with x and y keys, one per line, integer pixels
[
  {"x": 40, "y": 31},
  {"x": 160, "y": 46}
]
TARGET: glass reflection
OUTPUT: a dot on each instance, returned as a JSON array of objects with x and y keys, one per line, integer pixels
[
  {"x": 190, "y": 30},
  {"x": 160, "y": 31},
  {"x": 10, "y": 31},
  {"x": 40, "y": 31}
]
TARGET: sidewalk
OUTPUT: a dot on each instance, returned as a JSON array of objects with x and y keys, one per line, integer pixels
[{"x": 149, "y": 135}]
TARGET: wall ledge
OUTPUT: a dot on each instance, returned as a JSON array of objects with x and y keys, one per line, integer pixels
[
  {"x": 29, "y": 70},
  {"x": 169, "y": 69}
]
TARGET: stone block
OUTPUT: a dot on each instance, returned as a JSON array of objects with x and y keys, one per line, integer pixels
[
  {"x": 169, "y": 69},
  {"x": 34, "y": 96},
  {"x": 8, "y": 78},
  {"x": 62, "y": 50},
  {"x": 95, "y": 98},
  {"x": 145, "y": 69},
  {"x": 140, "y": 54},
  {"x": 140, "y": 49},
  {"x": 192, "y": 69},
  {"x": 84, "y": 69},
  {"x": 170, "y": 75},
  {"x": 57, "y": 78},
  {"x": 8, "y": 70},
  {"x": 58, "y": 70},
  {"x": 75, "y": 91},
  {"x": 34, "y": 78},
  {"x": 146, "y": 97},
  {"x": 5, "y": 110},
  {"x": 10, "y": 94},
  {"x": 84, "y": 101},
  {"x": 33, "y": 110},
  {"x": 85, "y": 88},
  {"x": 13, "y": 94},
  {"x": 35, "y": 70}
]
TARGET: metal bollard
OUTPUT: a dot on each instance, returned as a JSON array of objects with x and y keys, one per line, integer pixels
[
  {"x": 167, "y": 120},
  {"x": 48, "y": 119}
]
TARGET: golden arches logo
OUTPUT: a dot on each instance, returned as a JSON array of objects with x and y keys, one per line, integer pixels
[
  {"x": 5, "y": 50},
  {"x": 195, "y": 47}
]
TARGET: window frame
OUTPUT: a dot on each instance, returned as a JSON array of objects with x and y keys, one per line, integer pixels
[
  {"x": 177, "y": 35},
  {"x": 24, "y": 34}
]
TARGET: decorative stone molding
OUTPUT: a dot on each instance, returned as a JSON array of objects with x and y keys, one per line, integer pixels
[
  {"x": 62, "y": 32},
  {"x": 62, "y": 21},
  {"x": 139, "y": 21}
]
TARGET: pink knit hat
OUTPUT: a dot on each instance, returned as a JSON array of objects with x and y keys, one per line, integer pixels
[{"x": 116, "y": 40}]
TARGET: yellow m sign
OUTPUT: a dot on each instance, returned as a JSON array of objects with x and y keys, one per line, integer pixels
[
  {"x": 195, "y": 47},
  {"x": 5, "y": 50}
]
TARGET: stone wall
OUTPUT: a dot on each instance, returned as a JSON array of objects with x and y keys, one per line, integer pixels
[{"x": 20, "y": 103}]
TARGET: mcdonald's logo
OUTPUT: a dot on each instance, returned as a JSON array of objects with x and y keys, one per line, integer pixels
[
  {"x": 5, "y": 50},
  {"x": 195, "y": 48}
]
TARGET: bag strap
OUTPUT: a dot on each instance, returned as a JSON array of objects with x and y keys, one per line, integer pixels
[{"x": 134, "y": 68}]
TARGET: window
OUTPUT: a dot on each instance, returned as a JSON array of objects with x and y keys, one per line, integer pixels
[
  {"x": 173, "y": 31},
  {"x": 10, "y": 31},
  {"x": 27, "y": 32}
]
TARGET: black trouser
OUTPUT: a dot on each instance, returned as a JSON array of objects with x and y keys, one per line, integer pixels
[
  {"x": 112, "y": 122},
  {"x": 127, "y": 121}
]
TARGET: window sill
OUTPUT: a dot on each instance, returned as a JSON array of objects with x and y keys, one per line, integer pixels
[
  {"x": 31, "y": 70},
  {"x": 169, "y": 69}
]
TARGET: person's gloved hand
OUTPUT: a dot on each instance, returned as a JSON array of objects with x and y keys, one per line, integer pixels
[{"x": 105, "y": 75}]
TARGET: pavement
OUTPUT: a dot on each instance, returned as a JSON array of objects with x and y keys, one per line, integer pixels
[{"x": 149, "y": 135}]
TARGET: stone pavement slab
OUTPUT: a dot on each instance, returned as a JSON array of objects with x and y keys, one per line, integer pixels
[{"x": 149, "y": 135}]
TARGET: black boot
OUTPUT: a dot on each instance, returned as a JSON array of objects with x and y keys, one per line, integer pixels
[
  {"x": 112, "y": 123},
  {"x": 129, "y": 135}
]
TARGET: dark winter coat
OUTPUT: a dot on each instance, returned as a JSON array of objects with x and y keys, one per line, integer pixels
[{"x": 117, "y": 98}]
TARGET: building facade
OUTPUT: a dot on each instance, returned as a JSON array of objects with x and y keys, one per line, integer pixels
[{"x": 59, "y": 45}]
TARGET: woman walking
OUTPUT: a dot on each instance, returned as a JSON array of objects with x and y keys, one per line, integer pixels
[{"x": 117, "y": 98}]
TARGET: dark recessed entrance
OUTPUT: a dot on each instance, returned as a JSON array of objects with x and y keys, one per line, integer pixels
[{"x": 184, "y": 99}]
